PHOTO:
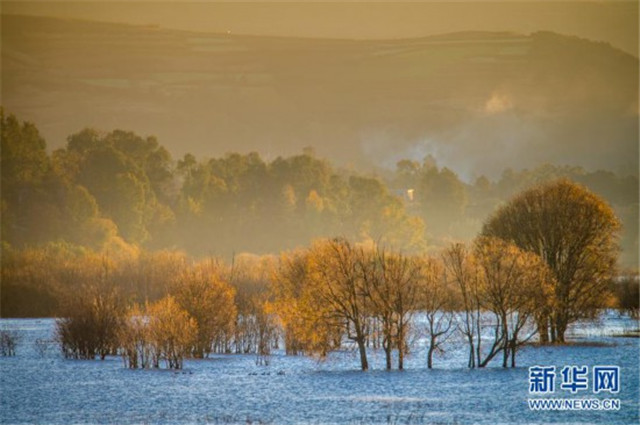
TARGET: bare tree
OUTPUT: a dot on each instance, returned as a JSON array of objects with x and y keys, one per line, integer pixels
[
  {"x": 390, "y": 281},
  {"x": 626, "y": 289},
  {"x": 9, "y": 340},
  {"x": 91, "y": 324},
  {"x": 436, "y": 302},
  {"x": 403, "y": 274},
  {"x": 461, "y": 269},
  {"x": 379, "y": 291},
  {"x": 338, "y": 283}
]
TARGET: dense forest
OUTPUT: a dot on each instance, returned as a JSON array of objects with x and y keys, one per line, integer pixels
[
  {"x": 159, "y": 259},
  {"x": 120, "y": 195},
  {"x": 118, "y": 190}
]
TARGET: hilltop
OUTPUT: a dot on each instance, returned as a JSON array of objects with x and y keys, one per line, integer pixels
[{"x": 477, "y": 101}]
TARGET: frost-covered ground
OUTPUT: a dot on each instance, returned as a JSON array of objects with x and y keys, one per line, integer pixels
[{"x": 233, "y": 389}]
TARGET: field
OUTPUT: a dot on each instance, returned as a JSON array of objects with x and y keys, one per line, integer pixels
[{"x": 41, "y": 387}]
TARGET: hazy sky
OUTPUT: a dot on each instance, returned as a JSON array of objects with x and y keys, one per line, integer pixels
[
  {"x": 615, "y": 22},
  {"x": 360, "y": 100}
]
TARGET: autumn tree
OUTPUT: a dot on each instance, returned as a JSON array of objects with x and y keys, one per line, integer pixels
[
  {"x": 338, "y": 283},
  {"x": 255, "y": 329},
  {"x": 153, "y": 274},
  {"x": 172, "y": 332},
  {"x": 28, "y": 287},
  {"x": 436, "y": 303},
  {"x": 209, "y": 301},
  {"x": 460, "y": 267},
  {"x": 390, "y": 282},
  {"x": 575, "y": 232},
  {"x": 135, "y": 340},
  {"x": 515, "y": 287},
  {"x": 92, "y": 317},
  {"x": 309, "y": 324},
  {"x": 380, "y": 294}
]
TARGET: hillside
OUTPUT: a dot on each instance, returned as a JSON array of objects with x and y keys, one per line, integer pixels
[{"x": 478, "y": 102}]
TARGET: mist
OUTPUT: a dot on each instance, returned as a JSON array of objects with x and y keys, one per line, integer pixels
[{"x": 477, "y": 101}]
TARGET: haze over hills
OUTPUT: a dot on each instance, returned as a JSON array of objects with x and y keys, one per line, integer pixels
[
  {"x": 611, "y": 21},
  {"x": 477, "y": 101}
]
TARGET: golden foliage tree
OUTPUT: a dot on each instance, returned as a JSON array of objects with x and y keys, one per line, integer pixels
[
  {"x": 309, "y": 324},
  {"x": 210, "y": 302},
  {"x": 255, "y": 329},
  {"x": 575, "y": 232},
  {"x": 515, "y": 288},
  {"x": 172, "y": 332},
  {"x": 134, "y": 339},
  {"x": 338, "y": 283}
]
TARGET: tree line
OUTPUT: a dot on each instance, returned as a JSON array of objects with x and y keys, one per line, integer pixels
[
  {"x": 332, "y": 295},
  {"x": 190, "y": 309},
  {"x": 542, "y": 261},
  {"x": 110, "y": 191},
  {"x": 80, "y": 228}
]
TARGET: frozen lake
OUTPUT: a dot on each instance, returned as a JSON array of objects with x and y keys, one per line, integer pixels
[{"x": 299, "y": 390}]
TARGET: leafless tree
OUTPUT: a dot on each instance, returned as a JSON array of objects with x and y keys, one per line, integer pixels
[
  {"x": 436, "y": 302},
  {"x": 460, "y": 267},
  {"x": 9, "y": 340}
]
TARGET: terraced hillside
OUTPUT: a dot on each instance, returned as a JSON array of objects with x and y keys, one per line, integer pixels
[{"x": 477, "y": 101}]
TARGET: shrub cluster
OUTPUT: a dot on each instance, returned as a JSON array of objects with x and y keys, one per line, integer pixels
[{"x": 8, "y": 342}]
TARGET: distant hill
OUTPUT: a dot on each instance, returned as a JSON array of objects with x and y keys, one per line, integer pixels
[{"x": 477, "y": 101}]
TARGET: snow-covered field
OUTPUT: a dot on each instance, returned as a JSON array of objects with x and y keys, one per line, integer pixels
[{"x": 47, "y": 389}]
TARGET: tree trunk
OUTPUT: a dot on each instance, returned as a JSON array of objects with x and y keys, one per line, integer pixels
[
  {"x": 472, "y": 358},
  {"x": 387, "y": 351},
  {"x": 561, "y": 330},
  {"x": 543, "y": 329},
  {"x": 430, "y": 354},
  {"x": 364, "y": 364},
  {"x": 401, "y": 345},
  {"x": 505, "y": 349},
  {"x": 505, "y": 355}
]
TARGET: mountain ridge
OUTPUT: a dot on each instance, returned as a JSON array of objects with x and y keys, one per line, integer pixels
[{"x": 356, "y": 101}]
